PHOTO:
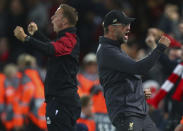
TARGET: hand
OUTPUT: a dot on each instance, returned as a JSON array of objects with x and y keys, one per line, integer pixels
[
  {"x": 165, "y": 41},
  {"x": 19, "y": 33},
  {"x": 147, "y": 93},
  {"x": 150, "y": 41},
  {"x": 32, "y": 28}
]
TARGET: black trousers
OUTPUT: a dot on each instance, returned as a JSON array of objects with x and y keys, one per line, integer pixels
[
  {"x": 59, "y": 118},
  {"x": 131, "y": 122}
]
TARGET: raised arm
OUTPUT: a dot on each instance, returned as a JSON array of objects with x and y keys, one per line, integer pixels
[
  {"x": 63, "y": 46},
  {"x": 121, "y": 62},
  {"x": 45, "y": 47}
]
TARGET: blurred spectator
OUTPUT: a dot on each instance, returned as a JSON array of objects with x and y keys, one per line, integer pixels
[
  {"x": 155, "y": 114},
  {"x": 11, "y": 84},
  {"x": 175, "y": 53},
  {"x": 2, "y": 100},
  {"x": 169, "y": 19},
  {"x": 86, "y": 113},
  {"x": 161, "y": 68},
  {"x": 25, "y": 60},
  {"x": 153, "y": 34},
  {"x": 174, "y": 57},
  {"x": 179, "y": 33},
  {"x": 89, "y": 85},
  {"x": 32, "y": 94},
  {"x": 88, "y": 77},
  {"x": 153, "y": 85},
  {"x": 172, "y": 108},
  {"x": 132, "y": 49}
]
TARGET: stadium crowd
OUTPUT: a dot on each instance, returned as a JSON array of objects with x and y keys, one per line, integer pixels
[{"x": 22, "y": 70}]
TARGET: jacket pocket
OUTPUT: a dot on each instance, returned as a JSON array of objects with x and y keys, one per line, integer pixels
[{"x": 52, "y": 110}]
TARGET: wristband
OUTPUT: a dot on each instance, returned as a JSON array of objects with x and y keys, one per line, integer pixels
[{"x": 27, "y": 38}]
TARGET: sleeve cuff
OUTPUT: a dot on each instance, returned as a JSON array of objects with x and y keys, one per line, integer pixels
[
  {"x": 27, "y": 38},
  {"x": 161, "y": 47},
  {"x": 36, "y": 34}
]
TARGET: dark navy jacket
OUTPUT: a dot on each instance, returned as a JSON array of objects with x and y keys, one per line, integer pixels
[
  {"x": 120, "y": 77},
  {"x": 63, "y": 65}
]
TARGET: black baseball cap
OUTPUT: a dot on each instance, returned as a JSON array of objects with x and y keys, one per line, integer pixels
[{"x": 117, "y": 16}]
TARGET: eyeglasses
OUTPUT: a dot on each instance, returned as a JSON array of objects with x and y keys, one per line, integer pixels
[
  {"x": 120, "y": 24},
  {"x": 117, "y": 24}
]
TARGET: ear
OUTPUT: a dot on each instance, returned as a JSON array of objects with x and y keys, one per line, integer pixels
[
  {"x": 110, "y": 28},
  {"x": 64, "y": 21}
]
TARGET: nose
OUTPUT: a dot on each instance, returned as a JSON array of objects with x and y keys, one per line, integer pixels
[{"x": 128, "y": 26}]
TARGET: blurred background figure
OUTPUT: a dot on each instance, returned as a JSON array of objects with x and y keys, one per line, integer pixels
[
  {"x": 87, "y": 115},
  {"x": 155, "y": 114},
  {"x": 31, "y": 94},
  {"x": 152, "y": 85},
  {"x": 2, "y": 100},
  {"x": 169, "y": 19},
  {"x": 171, "y": 108},
  {"x": 89, "y": 85},
  {"x": 10, "y": 117},
  {"x": 88, "y": 76},
  {"x": 179, "y": 33}
]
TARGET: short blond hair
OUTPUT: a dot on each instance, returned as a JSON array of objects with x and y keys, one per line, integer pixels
[
  {"x": 10, "y": 69},
  {"x": 26, "y": 60},
  {"x": 70, "y": 13}
]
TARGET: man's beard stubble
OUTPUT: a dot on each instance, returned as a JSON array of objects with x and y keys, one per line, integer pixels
[{"x": 121, "y": 40}]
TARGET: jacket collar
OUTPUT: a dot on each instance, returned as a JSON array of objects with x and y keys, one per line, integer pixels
[
  {"x": 70, "y": 30},
  {"x": 104, "y": 40}
]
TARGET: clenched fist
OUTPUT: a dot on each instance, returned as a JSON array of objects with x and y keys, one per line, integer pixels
[
  {"x": 19, "y": 33},
  {"x": 165, "y": 41},
  {"x": 32, "y": 28}
]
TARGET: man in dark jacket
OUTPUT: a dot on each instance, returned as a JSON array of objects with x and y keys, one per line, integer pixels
[
  {"x": 120, "y": 75},
  {"x": 63, "y": 103}
]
